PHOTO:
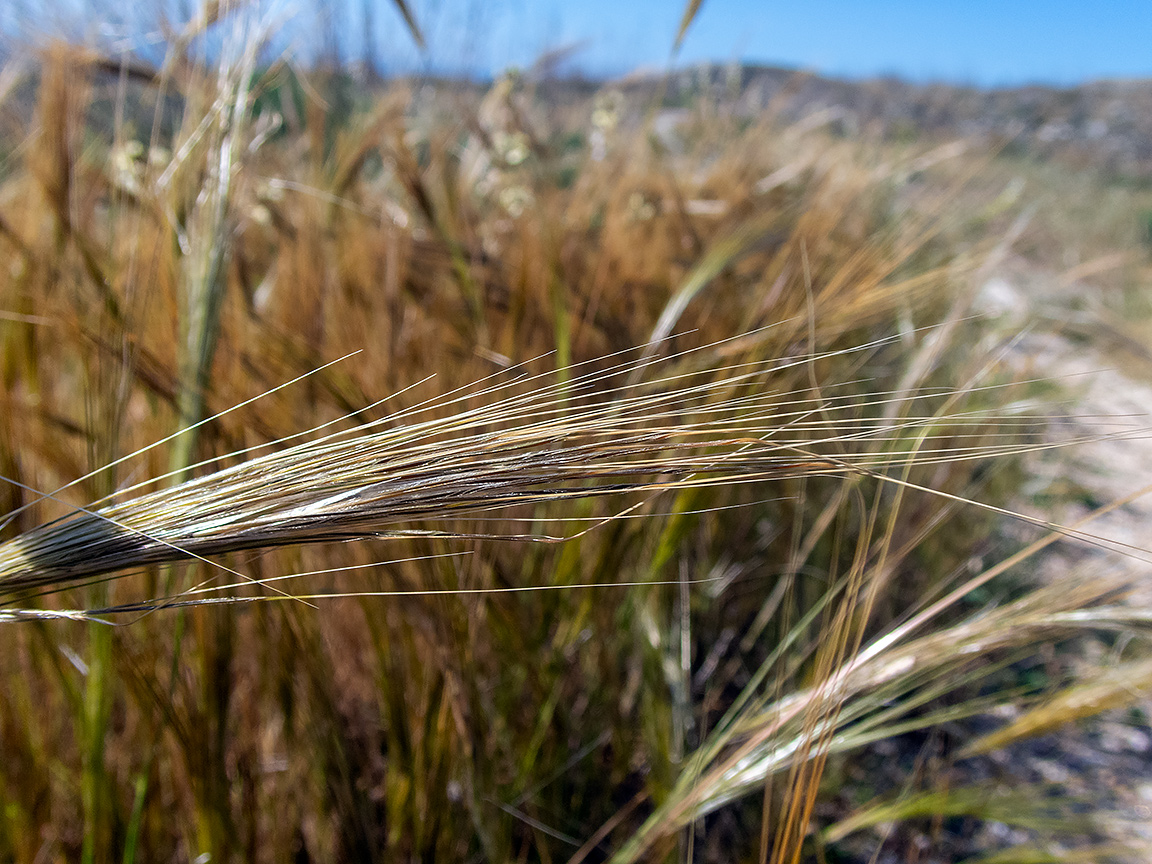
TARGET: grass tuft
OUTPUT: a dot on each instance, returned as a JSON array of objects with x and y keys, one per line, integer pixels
[{"x": 665, "y": 470}]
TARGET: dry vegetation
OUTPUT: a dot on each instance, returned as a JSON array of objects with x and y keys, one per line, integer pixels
[{"x": 743, "y": 374}]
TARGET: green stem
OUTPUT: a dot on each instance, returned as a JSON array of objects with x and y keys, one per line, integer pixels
[{"x": 94, "y": 793}]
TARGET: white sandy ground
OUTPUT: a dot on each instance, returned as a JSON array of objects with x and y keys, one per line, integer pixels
[
  {"x": 1109, "y": 469},
  {"x": 1109, "y": 760}
]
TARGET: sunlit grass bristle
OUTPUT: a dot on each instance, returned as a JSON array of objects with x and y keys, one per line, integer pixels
[{"x": 579, "y": 436}]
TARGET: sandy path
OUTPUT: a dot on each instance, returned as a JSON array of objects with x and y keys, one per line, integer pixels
[{"x": 1108, "y": 761}]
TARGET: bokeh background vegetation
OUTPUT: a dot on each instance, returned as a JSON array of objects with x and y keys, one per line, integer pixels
[{"x": 180, "y": 238}]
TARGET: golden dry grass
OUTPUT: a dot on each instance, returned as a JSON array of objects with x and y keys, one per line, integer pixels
[{"x": 763, "y": 507}]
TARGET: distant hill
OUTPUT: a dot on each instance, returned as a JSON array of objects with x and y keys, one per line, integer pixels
[{"x": 1105, "y": 124}]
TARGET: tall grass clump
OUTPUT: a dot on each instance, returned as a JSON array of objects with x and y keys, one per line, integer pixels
[{"x": 667, "y": 472}]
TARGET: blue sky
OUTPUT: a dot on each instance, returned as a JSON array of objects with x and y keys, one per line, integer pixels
[{"x": 977, "y": 41}]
